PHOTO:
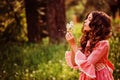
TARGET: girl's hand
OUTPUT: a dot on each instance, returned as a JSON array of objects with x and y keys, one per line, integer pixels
[{"x": 70, "y": 38}]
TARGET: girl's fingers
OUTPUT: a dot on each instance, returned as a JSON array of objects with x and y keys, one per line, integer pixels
[{"x": 69, "y": 36}]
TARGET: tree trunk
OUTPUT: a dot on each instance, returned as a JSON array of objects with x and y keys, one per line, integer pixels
[
  {"x": 34, "y": 29},
  {"x": 56, "y": 20}
]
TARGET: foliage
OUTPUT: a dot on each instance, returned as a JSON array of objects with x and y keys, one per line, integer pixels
[
  {"x": 12, "y": 21},
  {"x": 114, "y": 55},
  {"x": 115, "y": 50},
  {"x": 75, "y": 10}
]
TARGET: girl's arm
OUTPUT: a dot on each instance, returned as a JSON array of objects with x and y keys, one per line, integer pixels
[
  {"x": 73, "y": 58},
  {"x": 71, "y": 41}
]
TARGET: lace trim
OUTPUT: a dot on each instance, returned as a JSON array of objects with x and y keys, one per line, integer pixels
[{"x": 99, "y": 66}]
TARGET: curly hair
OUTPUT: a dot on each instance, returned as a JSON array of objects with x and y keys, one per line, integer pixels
[{"x": 100, "y": 30}]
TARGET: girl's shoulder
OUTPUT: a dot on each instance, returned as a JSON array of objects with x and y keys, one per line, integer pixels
[{"x": 102, "y": 43}]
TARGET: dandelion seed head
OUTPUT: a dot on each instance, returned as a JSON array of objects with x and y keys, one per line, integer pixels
[{"x": 69, "y": 26}]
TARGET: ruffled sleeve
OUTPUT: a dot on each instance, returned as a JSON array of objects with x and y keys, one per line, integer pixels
[
  {"x": 86, "y": 64},
  {"x": 68, "y": 60}
]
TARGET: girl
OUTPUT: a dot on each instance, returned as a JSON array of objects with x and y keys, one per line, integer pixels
[{"x": 92, "y": 57}]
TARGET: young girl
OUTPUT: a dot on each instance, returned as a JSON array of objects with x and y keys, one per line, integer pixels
[{"x": 92, "y": 57}]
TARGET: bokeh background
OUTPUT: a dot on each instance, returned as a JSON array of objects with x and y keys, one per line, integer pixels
[{"x": 32, "y": 37}]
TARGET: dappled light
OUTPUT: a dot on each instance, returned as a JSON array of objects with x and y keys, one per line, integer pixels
[{"x": 32, "y": 37}]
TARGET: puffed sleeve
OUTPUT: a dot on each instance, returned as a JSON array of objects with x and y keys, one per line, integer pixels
[
  {"x": 86, "y": 64},
  {"x": 68, "y": 60}
]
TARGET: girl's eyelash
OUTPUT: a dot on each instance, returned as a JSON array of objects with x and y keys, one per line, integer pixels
[{"x": 89, "y": 19}]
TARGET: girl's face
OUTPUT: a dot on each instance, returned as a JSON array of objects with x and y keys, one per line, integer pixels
[{"x": 87, "y": 22}]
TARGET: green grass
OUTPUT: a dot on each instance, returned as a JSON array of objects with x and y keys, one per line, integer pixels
[{"x": 30, "y": 61}]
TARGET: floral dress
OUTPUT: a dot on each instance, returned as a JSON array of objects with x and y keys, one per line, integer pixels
[{"x": 96, "y": 66}]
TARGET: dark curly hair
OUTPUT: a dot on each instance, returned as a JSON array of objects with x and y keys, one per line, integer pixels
[{"x": 100, "y": 30}]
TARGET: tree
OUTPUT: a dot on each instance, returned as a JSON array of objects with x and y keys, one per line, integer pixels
[
  {"x": 45, "y": 17},
  {"x": 33, "y": 27},
  {"x": 56, "y": 19}
]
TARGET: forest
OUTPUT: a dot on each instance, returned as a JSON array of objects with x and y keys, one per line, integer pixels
[{"x": 32, "y": 37}]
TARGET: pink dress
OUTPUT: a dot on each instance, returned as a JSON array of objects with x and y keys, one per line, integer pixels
[{"x": 96, "y": 66}]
